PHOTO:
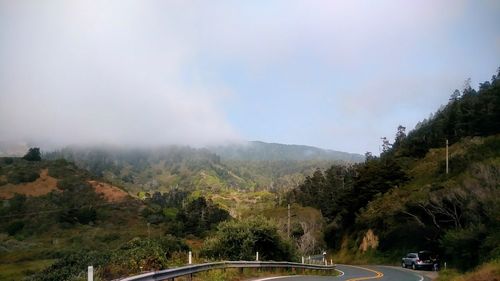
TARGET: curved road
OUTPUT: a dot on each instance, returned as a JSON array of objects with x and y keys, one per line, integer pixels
[{"x": 358, "y": 273}]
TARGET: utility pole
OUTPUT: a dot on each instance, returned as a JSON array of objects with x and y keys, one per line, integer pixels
[
  {"x": 288, "y": 226},
  {"x": 446, "y": 156}
]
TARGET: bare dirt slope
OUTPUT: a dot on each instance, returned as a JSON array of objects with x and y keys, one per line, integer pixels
[
  {"x": 41, "y": 186},
  {"x": 45, "y": 184},
  {"x": 110, "y": 192}
]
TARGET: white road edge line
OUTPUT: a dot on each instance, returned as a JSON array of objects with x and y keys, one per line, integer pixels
[{"x": 341, "y": 273}]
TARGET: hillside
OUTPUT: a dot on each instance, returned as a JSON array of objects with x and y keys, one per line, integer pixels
[
  {"x": 251, "y": 172},
  {"x": 60, "y": 218},
  {"x": 405, "y": 200},
  {"x": 57, "y": 219},
  {"x": 261, "y": 151}
]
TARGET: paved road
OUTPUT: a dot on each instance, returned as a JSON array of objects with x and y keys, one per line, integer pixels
[{"x": 358, "y": 273}]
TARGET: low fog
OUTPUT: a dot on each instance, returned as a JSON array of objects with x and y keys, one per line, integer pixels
[
  {"x": 94, "y": 73},
  {"x": 332, "y": 74}
]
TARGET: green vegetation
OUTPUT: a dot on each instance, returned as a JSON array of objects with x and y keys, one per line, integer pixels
[
  {"x": 374, "y": 211},
  {"x": 16, "y": 171},
  {"x": 135, "y": 256},
  {"x": 182, "y": 215},
  {"x": 405, "y": 201},
  {"x": 72, "y": 226},
  {"x": 306, "y": 227},
  {"x": 486, "y": 272},
  {"x": 240, "y": 240},
  {"x": 33, "y": 154},
  {"x": 204, "y": 171},
  {"x": 17, "y": 271}
]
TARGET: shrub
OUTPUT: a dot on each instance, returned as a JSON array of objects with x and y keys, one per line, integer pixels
[
  {"x": 61, "y": 168},
  {"x": 15, "y": 227},
  {"x": 22, "y": 175},
  {"x": 71, "y": 265},
  {"x": 33, "y": 154},
  {"x": 461, "y": 246},
  {"x": 142, "y": 255},
  {"x": 239, "y": 240}
]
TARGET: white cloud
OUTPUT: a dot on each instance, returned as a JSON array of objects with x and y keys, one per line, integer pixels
[
  {"x": 129, "y": 71},
  {"x": 80, "y": 72}
]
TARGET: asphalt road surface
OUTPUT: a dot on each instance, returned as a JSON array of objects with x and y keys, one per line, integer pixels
[{"x": 358, "y": 273}]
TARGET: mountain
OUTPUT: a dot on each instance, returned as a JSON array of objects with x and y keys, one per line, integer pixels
[
  {"x": 435, "y": 188},
  {"x": 249, "y": 166},
  {"x": 262, "y": 151},
  {"x": 56, "y": 219}
]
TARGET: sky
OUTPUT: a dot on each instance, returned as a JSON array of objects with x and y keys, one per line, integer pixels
[{"x": 333, "y": 74}]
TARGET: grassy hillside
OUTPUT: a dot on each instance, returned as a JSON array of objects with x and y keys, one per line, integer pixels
[
  {"x": 456, "y": 214},
  {"x": 405, "y": 201},
  {"x": 276, "y": 152},
  {"x": 55, "y": 214},
  {"x": 236, "y": 182},
  {"x": 57, "y": 219},
  {"x": 256, "y": 166}
]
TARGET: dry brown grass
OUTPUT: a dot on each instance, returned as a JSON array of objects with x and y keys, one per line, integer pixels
[
  {"x": 41, "y": 186},
  {"x": 45, "y": 184},
  {"x": 486, "y": 272}
]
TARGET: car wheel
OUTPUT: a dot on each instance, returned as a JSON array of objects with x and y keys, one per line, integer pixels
[
  {"x": 413, "y": 267},
  {"x": 403, "y": 265}
]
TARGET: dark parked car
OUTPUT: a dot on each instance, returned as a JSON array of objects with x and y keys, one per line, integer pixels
[{"x": 422, "y": 259}]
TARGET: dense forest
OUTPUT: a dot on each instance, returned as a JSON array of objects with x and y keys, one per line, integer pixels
[
  {"x": 246, "y": 167},
  {"x": 409, "y": 199}
]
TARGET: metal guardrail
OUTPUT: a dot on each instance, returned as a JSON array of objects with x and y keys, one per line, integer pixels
[{"x": 170, "y": 274}]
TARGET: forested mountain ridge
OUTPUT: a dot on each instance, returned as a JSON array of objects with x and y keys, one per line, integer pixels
[
  {"x": 261, "y": 151},
  {"x": 406, "y": 201},
  {"x": 250, "y": 166}
]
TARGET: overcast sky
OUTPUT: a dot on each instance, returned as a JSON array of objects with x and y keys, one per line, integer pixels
[{"x": 333, "y": 74}]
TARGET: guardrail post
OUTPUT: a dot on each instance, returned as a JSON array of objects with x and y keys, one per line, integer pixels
[
  {"x": 257, "y": 256},
  {"x": 90, "y": 273},
  {"x": 190, "y": 257}
]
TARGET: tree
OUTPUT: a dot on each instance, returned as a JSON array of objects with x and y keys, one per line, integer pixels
[
  {"x": 33, "y": 154},
  {"x": 400, "y": 135},
  {"x": 240, "y": 240},
  {"x": 386, "y": 145},
  {"x": 200, "y": 215},
  {"x": 368, "y": 156},
  {"x": 455, "y": 96}
]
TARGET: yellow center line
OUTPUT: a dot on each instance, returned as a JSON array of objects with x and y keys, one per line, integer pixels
[{"x": 377, "y": 276}]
